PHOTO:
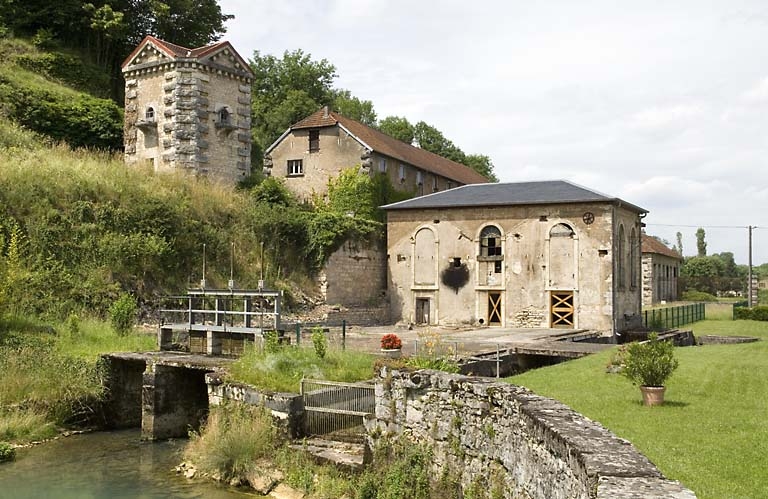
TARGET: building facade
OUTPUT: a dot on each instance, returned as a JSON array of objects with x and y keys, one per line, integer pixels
[
  {"x": 188, "y": 110},
  {"x": 532, "y": 254},
  {"x": 319, "y": 147},
  {"x": 661, "y": 271}
]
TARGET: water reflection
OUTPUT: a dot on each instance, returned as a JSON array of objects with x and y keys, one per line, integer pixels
[{"x": 103, "y": 465}]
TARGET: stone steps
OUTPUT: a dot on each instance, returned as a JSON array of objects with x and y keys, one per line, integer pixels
[{"x": 350, "y": 456}]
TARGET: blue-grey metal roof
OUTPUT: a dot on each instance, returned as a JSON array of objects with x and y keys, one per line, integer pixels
[{"x": 516, "y": 193}]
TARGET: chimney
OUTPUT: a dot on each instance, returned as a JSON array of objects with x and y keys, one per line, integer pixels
[{"x": 325, "y": 111}]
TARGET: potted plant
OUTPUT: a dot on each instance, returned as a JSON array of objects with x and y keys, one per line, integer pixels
[
  {"x": 391, "y": 345},
  {"x": 649, "y": 364}
]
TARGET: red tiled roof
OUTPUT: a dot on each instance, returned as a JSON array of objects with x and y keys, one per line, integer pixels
[
  {"x": 388, "y": 146},
  {"x": 650, "y": 244},
  {"x": 174, "y": 51}
]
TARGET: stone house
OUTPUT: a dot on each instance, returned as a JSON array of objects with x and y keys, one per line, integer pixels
[
  {"x": 661, "y": 270},
  {"x": 529, "y": 254},
  {"x": 320, "y": 146},
  {"x": 188, "y": 110}
]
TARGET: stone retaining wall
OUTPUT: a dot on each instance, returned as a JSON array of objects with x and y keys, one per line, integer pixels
[{"x": 535, "y": 446}]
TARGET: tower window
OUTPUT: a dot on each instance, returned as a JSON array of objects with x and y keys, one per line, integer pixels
[
  {"x": 314, "y": 140},
  {"x": 490, "y": 241},
  {"x": 224, "y": 116},
  {"x": 149, "y": 114}
]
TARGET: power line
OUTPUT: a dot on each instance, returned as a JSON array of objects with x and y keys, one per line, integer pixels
[{"x": 708, "y": 226}]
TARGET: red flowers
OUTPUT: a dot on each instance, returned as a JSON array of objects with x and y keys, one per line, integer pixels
[{"x": 391, "y": 341}]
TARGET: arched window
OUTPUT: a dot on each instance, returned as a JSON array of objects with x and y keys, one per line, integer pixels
[
  {"x": 490, "y": 241},
  {"x": 224, "y": 116},
  {"x": 619, "y": 256},
  {"x": 561, "y": 230},
  {"x": 633, "y": 262},
  {"x": 149, "y": 114}
]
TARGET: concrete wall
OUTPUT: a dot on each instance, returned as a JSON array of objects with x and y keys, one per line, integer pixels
[
  {"x": 355, "y": 274},
  {"x": 434, "y": 257},
  {"x": 512, "y": 440}
]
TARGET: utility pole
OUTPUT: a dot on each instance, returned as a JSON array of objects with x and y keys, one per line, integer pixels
[{"x": 749, "y": 284}]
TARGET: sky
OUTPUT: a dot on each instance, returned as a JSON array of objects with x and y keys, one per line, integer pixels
[{"x": 662, "y": 104}]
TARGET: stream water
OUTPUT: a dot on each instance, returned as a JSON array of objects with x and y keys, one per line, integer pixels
[{"x": 104, "y": 465}]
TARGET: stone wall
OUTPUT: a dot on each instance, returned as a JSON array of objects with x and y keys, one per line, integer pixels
[
  {"x": 534, "y": 446},
  {"x": 355, "y": 274}
]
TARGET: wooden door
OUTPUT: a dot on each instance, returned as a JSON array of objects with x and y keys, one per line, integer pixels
[
  {"x": 561, "y": 309},
  {"x": 494, "y": 309}
]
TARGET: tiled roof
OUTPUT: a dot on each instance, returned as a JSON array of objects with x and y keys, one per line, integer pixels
[
  {"x": 388, "y": 146},
  {"x": 176, "y": 51},
  {"x": 518, "y": 193},
  {"x": 650, "y": 244}
]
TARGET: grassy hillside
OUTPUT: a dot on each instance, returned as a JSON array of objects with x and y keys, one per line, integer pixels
[
  {"x": 57, "y": 94},
  {"x": 76, "y": 227}
]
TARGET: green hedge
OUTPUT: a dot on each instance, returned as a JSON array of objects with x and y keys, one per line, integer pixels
[{"x": 756, "y": 313}]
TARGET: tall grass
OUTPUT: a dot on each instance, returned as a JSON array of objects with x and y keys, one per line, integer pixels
[
  {"x": 710, "y": 434},
  {"x": 51, "y": 376},
  {"x": 282, "y": 371}
]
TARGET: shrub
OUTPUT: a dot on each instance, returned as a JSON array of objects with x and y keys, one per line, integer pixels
[
  {"x": 235, "y": 437},
  {"x": 7, "y": 453},
  {"x": 271, "y": 342},
  {"x": 391, "y": 341},
  {"x": 694, "y": 295},
  {"x": 122, "y": 313},
  {"x": 759, "y": 313},
  {"x": 319, "y": 341},
  {"x": 649, "y": 363}
]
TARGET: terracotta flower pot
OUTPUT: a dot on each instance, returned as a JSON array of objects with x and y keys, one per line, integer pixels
[{"x": 653, "y": 395}]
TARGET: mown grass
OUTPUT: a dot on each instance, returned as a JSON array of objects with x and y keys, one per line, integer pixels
[
  {"x": 51, "y": 376},
  {"x": 711, "y": 434},
  {"x": 282, "y": 371}
]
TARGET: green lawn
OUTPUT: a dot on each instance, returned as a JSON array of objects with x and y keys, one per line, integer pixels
[{"x": 712, "y": 434}]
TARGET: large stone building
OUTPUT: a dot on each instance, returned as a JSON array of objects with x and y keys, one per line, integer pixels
[
  {"x": 531, "y": 254},
  {"x": 661, "y": 270},
  {"x": 320, "y": 146},
  {"x": 188, "y": 110}
]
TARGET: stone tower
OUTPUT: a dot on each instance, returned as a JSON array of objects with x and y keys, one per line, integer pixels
[{"x": 188, "y": 110}]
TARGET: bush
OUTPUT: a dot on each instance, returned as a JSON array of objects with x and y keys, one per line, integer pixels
[
  {"x": 694, "y": 295},
  {"x": 235, "y": 437},
  {"x": 122, "y": 313},
  {"x": 7, "y": 453},
  {"x": 759, "y": 313},
  {"x": 649, "y": 363},
  {"x": 319, "y": 341}
]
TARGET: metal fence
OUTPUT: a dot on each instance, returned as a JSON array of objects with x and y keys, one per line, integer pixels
[
  {"x": 336, "y": 410},
  {"x": 672, "y": 317}
]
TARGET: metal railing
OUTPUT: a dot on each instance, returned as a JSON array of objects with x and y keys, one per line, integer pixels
[
  {"x": 672, "y": 317},
  {"x": 335, "y": 409}
]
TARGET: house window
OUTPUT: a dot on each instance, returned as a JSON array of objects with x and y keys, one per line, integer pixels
[
  {"x": 419, "y": 178},
  {"x": 383, "y": 165},
  {"x": 149, "y": 115},
  {"x": 401, "y": 172},
  {"x": 295, "y": 167},
  {"x": 490, "y": 241},
  {"x": 450, "y": 185},
  {"x": 314, "y": 140},
  {"x": 434, "y": 184},
  {"x": 224, "y": 116},
  {"x": 633, "y": 264}
]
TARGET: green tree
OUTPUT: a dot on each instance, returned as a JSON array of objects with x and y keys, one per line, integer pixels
[
  {"x": 679, "y": 237},
  {"x": 359, "y": 110},
  {"x": 398, "y": 127},
  {"x": 284, "y": 91},
  {"x": 701, "y": 244},
  {"x": 481, "y": 164}
]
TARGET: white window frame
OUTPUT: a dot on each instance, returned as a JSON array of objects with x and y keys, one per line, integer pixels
[
  {"x": 295, "y": 167},
  {"x": 382, "y": 165}
]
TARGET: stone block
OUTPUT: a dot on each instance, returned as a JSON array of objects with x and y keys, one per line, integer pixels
[
  {"x": 244, "y": 111},
  {"x": 244, "y": 137},
  {"x": 246, "y": 89},
  {"x": 244, "y": 100},
  {"x": 131, "y": 94}
]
